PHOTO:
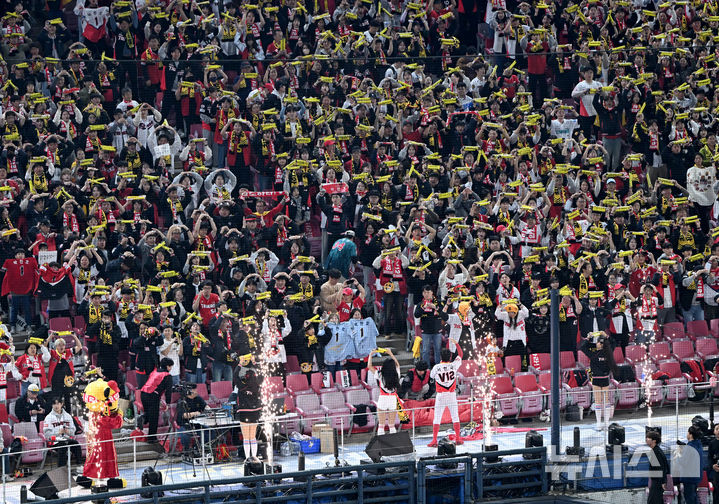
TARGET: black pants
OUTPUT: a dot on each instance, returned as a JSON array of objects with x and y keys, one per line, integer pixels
[
  {"x": 516, "y": 347},
  {"x": 656, "y": 493},
  {"x": 587, "y": 125},
  {"x": 60, "y": 448},
  {"x": 394, "y": 316},
  {"x": 538, "y": 86},
  {"x": 151, "y": 405}
]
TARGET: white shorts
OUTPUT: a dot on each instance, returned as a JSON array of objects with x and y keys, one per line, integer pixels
[
  {"x": 446, "y": 400},
  {"x": 386, "y": 403}
]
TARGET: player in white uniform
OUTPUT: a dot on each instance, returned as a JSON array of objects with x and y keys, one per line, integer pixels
[{"x": 445, "y": 376}]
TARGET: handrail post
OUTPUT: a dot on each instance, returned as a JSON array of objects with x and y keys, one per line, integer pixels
[{"x": 69, "y": 471}]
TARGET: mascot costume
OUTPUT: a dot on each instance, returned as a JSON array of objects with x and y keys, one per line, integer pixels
[{"x": 101, "y": 399}]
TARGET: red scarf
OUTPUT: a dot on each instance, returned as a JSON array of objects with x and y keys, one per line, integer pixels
[
  {"x": 392, "y": 267},
  {"x": 71, "y": 222}
]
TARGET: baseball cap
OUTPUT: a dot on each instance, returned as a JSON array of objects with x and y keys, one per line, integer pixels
[
  {"x": 347, "y": 291},
  {"x": 611, "y": 181},
  {"x": 33, "y": 388}
]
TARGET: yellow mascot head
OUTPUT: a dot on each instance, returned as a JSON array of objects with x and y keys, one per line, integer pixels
[{"x": 101, "y": 396}]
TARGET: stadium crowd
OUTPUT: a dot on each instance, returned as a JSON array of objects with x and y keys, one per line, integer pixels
[{"x": 194, "y": 179}]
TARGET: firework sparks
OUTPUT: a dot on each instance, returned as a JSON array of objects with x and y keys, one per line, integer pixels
[
  {"x": 271, "y": 354},
  {"x": 648, "y": 381},
  {"x": 484, "y": 386}
]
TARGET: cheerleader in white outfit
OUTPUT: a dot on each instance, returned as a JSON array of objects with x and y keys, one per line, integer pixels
[{"x": 388, "y": 380}]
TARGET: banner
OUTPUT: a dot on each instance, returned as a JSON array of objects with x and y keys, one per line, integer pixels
[{"x": 339, "y": 187}]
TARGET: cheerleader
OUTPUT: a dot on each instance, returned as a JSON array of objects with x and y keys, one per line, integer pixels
[
  {"x": 621, "y": 323},
  {"x": 388, "y": 380},
  {"x": 249, "y": 402},
  {"x": 602, "y": 364}
]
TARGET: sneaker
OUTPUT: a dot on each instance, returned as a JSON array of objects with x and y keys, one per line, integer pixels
[
  {"x": 458, "y": 441},
  {"x": 433, "y": 443}
]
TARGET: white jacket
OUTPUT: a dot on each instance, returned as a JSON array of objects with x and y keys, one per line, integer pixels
[
  {"x": 519, "y": 331},
  {"x": 54, "y": 422},
  {"x": 455, "y": 328}
]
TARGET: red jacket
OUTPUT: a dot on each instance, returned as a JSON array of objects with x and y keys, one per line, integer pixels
[
  {"x": 25, "y": 367},
  {"x": 537, "y": 58}
]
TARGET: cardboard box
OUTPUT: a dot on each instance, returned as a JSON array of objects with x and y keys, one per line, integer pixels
[{"x": 325, "y": 434}]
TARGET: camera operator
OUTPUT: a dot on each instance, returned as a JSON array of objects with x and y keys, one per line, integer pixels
[
  {"x": 190, "y": 406},
  {"x": 159, "y": 382}
]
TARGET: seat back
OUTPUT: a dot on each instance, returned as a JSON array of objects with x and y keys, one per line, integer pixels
[
  {"x": 673, "y": 330},
  {"x": 333, "y": 400},
  {"x": 671, "y": 367},
  {"x": 292, "y": 365},
  {"x": 3, "y": 414},
  {"x": 297, "y": 383},
  {"x": 60, "y": 324},
  {"x": 659, "y": 351},
  {"x": 513, "y": 363},
  {"x": 567, "y": 360},
  {"x": 202, "y": 391},
  {"x": 221, "y": 389},
  {"x": 526, "y": 382},
  {"x": 618, "y": 356},
  {"x": 357, "y": 396},
  {"x": 7, "y": 436},
  {"x": 502, "y": 384},
  {"x": 583, "y": 359},
  {"x": 698, "y": 328},
  {"x": 319, "y": 384},
  {"x": 707, "y": 346},
  {"x": 683, "y": 348},
  {"x": 274, "y": 385},
  {"x": 636, "y": 353},
  {"x": 540, "y": 361},
  {"x": 714, "y": 326},
  {"x": 25, "y": 429},
  {"x": 307, "y": 402},
  {"x": 469, "y": 368},
  {"x": 545, "y": 380}
]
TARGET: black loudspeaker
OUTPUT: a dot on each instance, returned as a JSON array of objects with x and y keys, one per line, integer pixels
[
  {"x": 49, "y": 484},
  {"x": 446, "y": 448},
  {"x": 491, "y": 448},
  {"x": 533, "y": 439},
  {"x": 657, "y": 429},
  {"x": 254, "y": 467},
  {"x": 398, "y": 443},
  {"x": 151, "y": 478},
  {"x": 615, "y": 434}
]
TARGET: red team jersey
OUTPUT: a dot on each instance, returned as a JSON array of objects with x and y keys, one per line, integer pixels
[
  {"x": 20, "y": 276},
  {"x": 208, "y": 307}
]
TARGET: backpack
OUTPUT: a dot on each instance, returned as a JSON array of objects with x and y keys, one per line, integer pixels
[
  {"x": 572, "y": 413},
  {"x": 694, "y": 368},
  {"x": 697, "y": 374},
  {"x": 575, "y": 378},
  {"x": 626, "y": 374},
  {"x": 662, "y": 376}
]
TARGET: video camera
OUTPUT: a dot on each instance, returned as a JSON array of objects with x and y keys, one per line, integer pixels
[{"x": 184, "y": 388}]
